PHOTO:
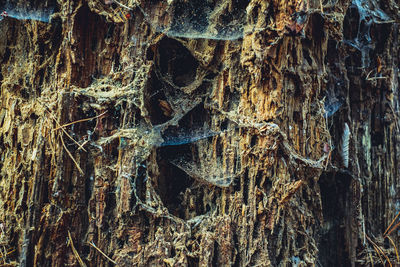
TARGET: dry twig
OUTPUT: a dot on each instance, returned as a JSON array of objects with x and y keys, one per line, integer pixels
[
  {"x": 8, "y": 253},
  {"x": 379, "y": 251},
  {"x": 82, "y": 120},
  {"x": 390, "y": 225},
  {"x": 102, "y": 253},
  {"x": 395, "y": 248},
  {"x": 70, "y": 155},
  {"x": 81, "y": 263},
  {"x": 69, "y": 136}
]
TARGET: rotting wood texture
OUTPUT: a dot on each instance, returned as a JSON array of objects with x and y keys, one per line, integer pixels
[{"x": 199, "y": 133}]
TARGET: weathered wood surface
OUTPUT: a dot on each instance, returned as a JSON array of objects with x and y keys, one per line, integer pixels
[{"x": 209, "y": 142}]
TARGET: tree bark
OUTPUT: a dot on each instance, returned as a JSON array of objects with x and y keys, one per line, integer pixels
[{"x": 199, "y": 133}]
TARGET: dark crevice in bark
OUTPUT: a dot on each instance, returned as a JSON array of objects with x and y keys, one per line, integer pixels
[{"x": 334, "y": 195}]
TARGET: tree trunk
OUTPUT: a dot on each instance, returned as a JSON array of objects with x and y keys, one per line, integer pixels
[{"x": 199, "y": 133}]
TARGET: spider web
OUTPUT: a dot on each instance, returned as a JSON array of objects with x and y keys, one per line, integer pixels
[
  {"x": 369, "y": 14},
  {"x": 213, "y": 160},
  {"x": 40, "y": 11},
  {"x": 220, "y": 20},
  {"x": 181, "y": 137}
]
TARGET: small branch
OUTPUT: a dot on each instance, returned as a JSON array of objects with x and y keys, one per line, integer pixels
[
  {"x": 76, "y": 142},
  {"x": 84, "y": 143},
  {"x": 386, "y": 21},
  {"x": 395, "y": 248},
  {"x": 102, "y": 253},
  {"x": 8, "y": 253},
  {"x": 376, "y": 78},
  {"x": 81, "y": 263},
  {"x": 69, "y": 136},
  {"x": 82, "y": 120},
  {"x": 379, "y": 250},
  {"x": 371, "y": 259},
  {"x": 70, "y": 155},
  {"x": 390, "y": 225},
  {"x": 373, "y": 78},
  {"x": 394, "y": 228}
]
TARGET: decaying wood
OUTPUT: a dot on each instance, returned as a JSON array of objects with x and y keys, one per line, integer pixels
[{"x": 199, "y": 133}]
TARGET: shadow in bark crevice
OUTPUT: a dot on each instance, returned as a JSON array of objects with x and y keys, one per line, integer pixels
[{"x": 335, "y": 198}]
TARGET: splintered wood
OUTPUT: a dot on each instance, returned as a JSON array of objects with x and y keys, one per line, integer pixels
[{"x": 200, "y": 133}]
